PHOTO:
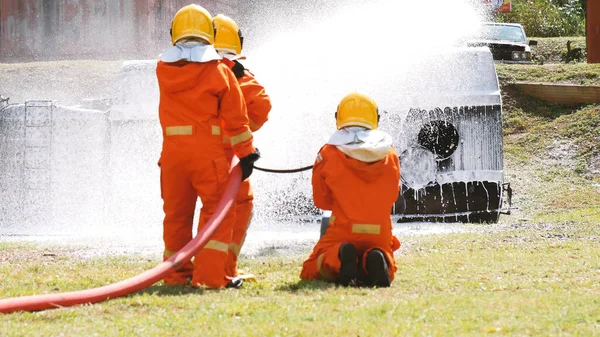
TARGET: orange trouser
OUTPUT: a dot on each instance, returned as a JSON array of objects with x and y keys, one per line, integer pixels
[
  {"x": 244, "y": 201},
  {"x": 324, "y": 262},
  {"x": 183, "y": 180}
]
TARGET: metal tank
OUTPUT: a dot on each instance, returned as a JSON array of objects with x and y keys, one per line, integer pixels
[{"x": 450, "y": 141}]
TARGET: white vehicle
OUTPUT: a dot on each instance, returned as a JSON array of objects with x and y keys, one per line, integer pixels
[{"x": 507, "y": 42}]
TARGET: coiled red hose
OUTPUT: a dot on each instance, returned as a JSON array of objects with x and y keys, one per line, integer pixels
[{"x": 141, "y": 281}]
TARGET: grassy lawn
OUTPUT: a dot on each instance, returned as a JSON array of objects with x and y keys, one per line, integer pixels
[
  {"x": 511, "y": 279},
  {"x": 579, "y": 73}
]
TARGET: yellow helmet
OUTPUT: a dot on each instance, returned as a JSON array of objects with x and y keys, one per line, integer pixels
[
  {"x": 357, "y": 110},
  {"x": 192, "y": 21},
  {"x": 228, "y": 36}
]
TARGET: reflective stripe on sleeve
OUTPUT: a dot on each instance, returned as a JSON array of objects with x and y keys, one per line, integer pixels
[
  {"x": 242, "y": 137},
  {"x": 217, "y": 245},
  {"x": 216, "y": 130},
  {"x": 366, "y": 229}
]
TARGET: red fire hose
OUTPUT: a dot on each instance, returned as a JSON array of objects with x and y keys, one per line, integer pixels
[{"x": 141, "y": 281}]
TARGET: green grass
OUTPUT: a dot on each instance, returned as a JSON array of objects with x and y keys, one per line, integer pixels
[
  {"x": 553, "y": 162},
  {"x": 551, "y": 49},
  {"x": 522, "y": 113},
  {"x": 580, "y": 73},
  {"x": 529, "y": 280},
  {"x": 579, "y": 127}
]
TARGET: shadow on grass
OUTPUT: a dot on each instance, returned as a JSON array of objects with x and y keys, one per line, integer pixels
[
  {"x": 165, "y": 290},
  {"x": 292, "y": 287},
  {"x": 306, "y": 285}
]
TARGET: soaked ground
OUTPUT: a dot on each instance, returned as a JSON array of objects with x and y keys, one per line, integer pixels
[{"x": 288, "y": 240}]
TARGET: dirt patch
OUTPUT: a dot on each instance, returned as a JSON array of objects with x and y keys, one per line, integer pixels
[
  {"x": 39, "y": 255},
  {"x": 562, "y": 153}
]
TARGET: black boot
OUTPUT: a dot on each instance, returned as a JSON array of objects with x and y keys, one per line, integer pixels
[
  {"x": 236, "y": 283},
  {"x": 349, "y": 267},
  {"x": 377, "y": 270}
]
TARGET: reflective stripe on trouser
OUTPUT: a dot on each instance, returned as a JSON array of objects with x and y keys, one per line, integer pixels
[
  {"x": 183, "y": 275},
  {"x": 183, "y": 179},
  {"x": 324, "y": 262},
  {"x": 243, "y": 213}
]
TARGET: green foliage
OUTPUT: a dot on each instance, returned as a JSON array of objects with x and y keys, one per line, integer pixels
[{"x": 548, "y": 18}]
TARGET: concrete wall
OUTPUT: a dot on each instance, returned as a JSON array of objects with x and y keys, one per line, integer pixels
[
  {"x": 59, "y": 29},
  {"x": 562, "y": 93}
]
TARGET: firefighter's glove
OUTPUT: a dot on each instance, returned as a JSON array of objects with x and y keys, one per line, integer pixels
[
  {"x": 247, "y": 164},
  {"x": 238, "y": 69}
]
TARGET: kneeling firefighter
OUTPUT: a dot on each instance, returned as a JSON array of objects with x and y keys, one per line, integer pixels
[
  {"x": 356, "y": 175},
  {"x": 229, "y": 42},
  {"x": 200, "y": 100}
]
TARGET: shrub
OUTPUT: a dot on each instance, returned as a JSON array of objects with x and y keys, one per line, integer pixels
[{"x": 548, "y": 18}]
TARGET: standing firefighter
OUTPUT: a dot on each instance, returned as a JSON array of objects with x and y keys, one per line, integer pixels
[
  {"x": 200, "y": 102},
  {"x": 356, "y": 176},
  {"x": 229, "y": 43}
]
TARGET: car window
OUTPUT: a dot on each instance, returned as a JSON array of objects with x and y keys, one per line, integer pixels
[{"x": 501, "y": 32}]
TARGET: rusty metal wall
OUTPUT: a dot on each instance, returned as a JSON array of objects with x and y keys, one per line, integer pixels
[
  {"x": 96, "y": 29},
  {"x": 593, "y": 31}
]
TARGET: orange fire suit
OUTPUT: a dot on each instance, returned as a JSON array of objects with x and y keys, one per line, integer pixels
[
  {"x": 360, "y": 196},
  {"x": 199, "y": 102},
  {"x": 258, "y": 105}
]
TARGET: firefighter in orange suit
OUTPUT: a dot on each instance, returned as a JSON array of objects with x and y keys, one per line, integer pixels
[
  {"x": 356, "y": 175},
  {"x": 200, "y": 102},
  {"x": 229, "y": 42}
]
